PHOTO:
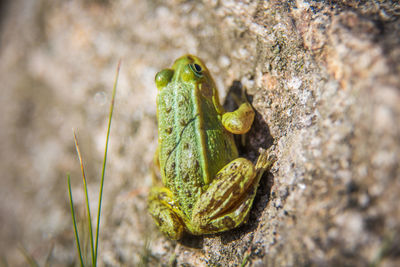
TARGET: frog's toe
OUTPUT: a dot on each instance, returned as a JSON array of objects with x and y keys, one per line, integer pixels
[
  {"x": 166, "y": 219},
  {"x": 265, "y": 161}
]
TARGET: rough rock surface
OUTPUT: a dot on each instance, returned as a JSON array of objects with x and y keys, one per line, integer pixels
[{"x": 323, "y": 76}]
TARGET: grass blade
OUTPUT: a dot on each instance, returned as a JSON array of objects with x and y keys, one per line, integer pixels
[
  {"x": 87, "y": 199},
  {"x": 71, "y": 203},
  {"x": 29, "y": 258},
  {"x": 105, "y": 155}
]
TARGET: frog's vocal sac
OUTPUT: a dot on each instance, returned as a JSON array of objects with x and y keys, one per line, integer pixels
[{"x": 206, "y": 187}]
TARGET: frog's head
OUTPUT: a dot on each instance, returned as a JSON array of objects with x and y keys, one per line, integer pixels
[{"x": 188, "y": 69}]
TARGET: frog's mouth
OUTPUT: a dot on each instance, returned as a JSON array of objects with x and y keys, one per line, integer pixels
[{"x": 192, "y": 120}]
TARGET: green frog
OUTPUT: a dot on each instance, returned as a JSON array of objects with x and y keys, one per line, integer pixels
[{"x": 206, "y": 187}]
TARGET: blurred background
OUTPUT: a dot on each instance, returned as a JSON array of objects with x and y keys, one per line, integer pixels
[{"x": 57, "y": 67}]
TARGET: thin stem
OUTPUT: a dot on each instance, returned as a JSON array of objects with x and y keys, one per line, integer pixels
[
  {"x": 105, "y": 156},
  {"x": 29, "y": 258},
  {"x": 87, "y": 199},
  {"x": 71, "y": 203}
]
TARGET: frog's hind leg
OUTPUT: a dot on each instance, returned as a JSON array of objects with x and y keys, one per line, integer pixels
[
  {"x": 165, "y": 213},
  {"x": 227, "y": 202}
]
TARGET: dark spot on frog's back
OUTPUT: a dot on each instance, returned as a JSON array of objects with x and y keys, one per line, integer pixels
[
  {"x": 186, "y": 177},
  {"x": 190, "y": 58},
  {"x": 232, "y": 177},
  {"x": 228, "y": 222},
  {"x": 196, "y": 165},
  {"x": 234, "y": 166},
  {"x": 219, "y": 175},
  {"x": 186, "y": 146},
  {"x": 159, "y": 220},
  {"x": 183, "y": 122},
  {"x": 168, "y": 130}
]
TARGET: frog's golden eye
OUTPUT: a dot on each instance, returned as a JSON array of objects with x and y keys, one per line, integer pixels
[
  {"x": 163, "y": 78},
  {"x": 197, "y": 70},
  {"x": 192, "y": 72}
]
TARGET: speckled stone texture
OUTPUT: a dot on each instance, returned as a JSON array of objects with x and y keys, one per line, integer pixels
[{"x": 323, "y": 76}]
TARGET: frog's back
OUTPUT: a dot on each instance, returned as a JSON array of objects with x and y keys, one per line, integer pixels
[{"x": 193, "y": 144}]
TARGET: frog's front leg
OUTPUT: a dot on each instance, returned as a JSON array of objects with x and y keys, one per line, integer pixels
[
  {"x": 240, "y": 120},
  {"x": 165, "y": 212},
  {"x": 227, "y": 202}
]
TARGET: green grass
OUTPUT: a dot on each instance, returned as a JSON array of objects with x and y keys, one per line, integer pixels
[{"x": 94, "y": 241}]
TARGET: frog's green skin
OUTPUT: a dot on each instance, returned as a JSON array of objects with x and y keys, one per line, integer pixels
[{"x": 206, "y": 187}]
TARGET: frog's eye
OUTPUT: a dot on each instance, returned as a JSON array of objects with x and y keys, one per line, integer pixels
[
  {"x": 163, "y": 78},
  {"x": 192, "y": 72},
  {"x": 197, "y": 70}
]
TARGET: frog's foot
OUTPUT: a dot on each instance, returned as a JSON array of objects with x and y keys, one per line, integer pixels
[
  {"x": 165, "y": 212},
  {"x": 226, "y": 203},
  {"x": 264, "y": 161}
]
